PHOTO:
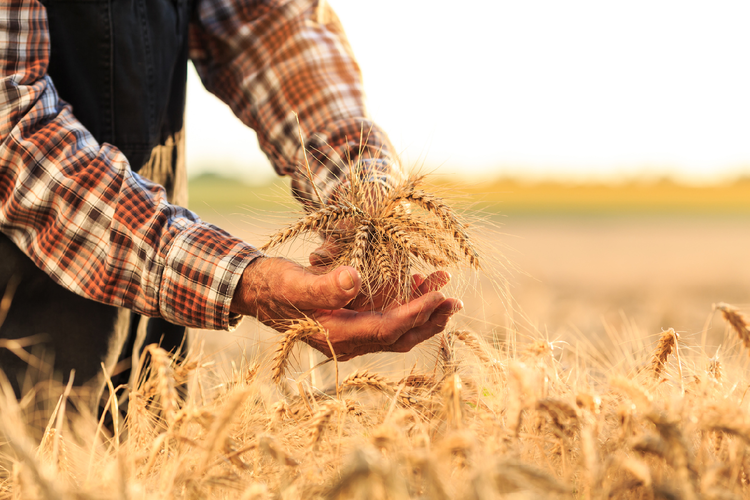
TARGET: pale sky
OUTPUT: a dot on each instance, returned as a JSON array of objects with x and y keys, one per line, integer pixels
[{"x": 538, "y": 88}]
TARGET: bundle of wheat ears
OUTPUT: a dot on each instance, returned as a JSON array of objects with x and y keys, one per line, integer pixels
[{"x": 387, "y": 233}]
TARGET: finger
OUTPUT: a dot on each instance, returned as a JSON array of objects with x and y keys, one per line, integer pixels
[
  {"x": 321, "y": 257},
  {"x": 416, "y": 281},
  {"x": 436, "y": 324},
  {"x": 413, "y": 314},
  {"x": 332, "y": 290},
  {"x": 353, "y": 334},
  {"x": 434, "y": 282},
  {"x": 351, "y": 329}
]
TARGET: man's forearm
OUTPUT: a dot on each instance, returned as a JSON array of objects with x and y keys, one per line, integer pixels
[
  {"x": 75, "y": 207},
  {"x": 285, "y": 57}
]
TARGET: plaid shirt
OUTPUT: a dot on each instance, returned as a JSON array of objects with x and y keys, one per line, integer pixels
[{"x": 79, "y": 212}]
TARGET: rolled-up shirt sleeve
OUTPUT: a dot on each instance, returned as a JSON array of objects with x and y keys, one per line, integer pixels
[
  {"x": 272, "y": 61},
  {"x": 78, "y": 211}
]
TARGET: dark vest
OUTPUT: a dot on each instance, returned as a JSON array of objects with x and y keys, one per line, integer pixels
[{"x": 122, "y": 65}]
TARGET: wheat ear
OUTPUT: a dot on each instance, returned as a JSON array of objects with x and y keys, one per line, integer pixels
[
  {"x": 398, "y": 235},
  {"x": 365, "y": 379},
  {"x": 419, "y": 380},
  {"x": 384, "y": 262},
  {"x": 320, "y": 219},
  {"x": 474, "y": 343},
  {"x": 444, "y": 213},
  {"x": 714, "y": 368},
  {"x": 740, "y": 323},
  {"x": 359, "y": 247},
  {"x": 299, "y": 330},
  {"x": 321, "y": 418},
  {"x": 664, "y": 348}
]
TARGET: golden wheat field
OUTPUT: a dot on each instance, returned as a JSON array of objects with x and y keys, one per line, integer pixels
[{"x": 595, "y": 358}]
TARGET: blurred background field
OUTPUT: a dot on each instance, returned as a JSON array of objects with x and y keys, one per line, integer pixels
[
  {"x": 582, "y": 258},
  {"x": 613, "y": 170}
]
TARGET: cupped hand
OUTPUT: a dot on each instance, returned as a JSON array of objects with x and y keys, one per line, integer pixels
[{"x": 277, "y": 290}]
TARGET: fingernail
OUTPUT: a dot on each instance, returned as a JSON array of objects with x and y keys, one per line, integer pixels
[
  {"x": 458, "y": 307},
  {"x": 323, "y": 255},
  {"x": 346, "y": 280}
]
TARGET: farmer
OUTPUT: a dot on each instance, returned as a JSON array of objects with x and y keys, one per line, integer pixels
[{"x": 96, "y": 249}]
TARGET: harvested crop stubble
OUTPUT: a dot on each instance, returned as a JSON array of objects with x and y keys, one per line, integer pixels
[{"x": 388, "y": 233}]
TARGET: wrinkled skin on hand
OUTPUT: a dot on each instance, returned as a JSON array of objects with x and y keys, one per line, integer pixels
[{"x": 276, "y": 290}]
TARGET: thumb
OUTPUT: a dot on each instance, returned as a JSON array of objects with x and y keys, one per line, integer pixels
[{"x": 332, "y": 290}]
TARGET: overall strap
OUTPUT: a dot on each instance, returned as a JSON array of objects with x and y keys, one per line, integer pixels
[{"x": 122, "y": 64}]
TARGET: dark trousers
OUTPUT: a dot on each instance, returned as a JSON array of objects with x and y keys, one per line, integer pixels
[{"x": 69, "y": 331}]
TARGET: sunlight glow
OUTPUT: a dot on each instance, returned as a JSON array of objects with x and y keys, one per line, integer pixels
[{"x": 540, "y": 88}]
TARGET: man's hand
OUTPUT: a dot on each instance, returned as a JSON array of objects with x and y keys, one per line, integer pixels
[{"x": 276, "y": 290}]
